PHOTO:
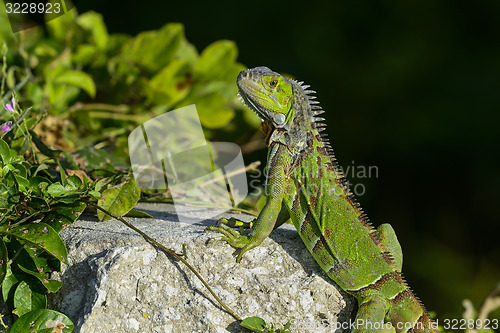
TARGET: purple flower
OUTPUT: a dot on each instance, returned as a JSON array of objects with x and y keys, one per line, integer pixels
[
  {"x": 6, "y": 126},
  {"x": 10, "y": 106}
]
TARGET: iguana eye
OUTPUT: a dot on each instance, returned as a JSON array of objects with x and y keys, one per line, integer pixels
[{"x": 273, "y": 83}]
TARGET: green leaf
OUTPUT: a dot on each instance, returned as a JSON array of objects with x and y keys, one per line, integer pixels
[
  {"x": 28, "y": 298},
  {"x": 43, "y": 321},
  {"x": 138, "y": 213},
  {"x": 95, "y": 194},
  {"x": 98, "y": 158},
  {"x": 99, "y": 185},
  {"x": 38, "y": 184},
  {"x": 33, "y": 262},
  {"x": 20, "y": 170},
  {"x": 188, "y": 52},
  {"x": 60, "y": 95},
  {"x": 22, "y": 183},
  {"x": 171, "y": 84},
  {"x": 35, "y": 94},
  {"x": 84, "y": 54},
  {"x": 8, "y": 283},
  {"x": 58, "y": 190},
  {"x": 119, "y": 199},
  {"x": 9, "y": 196},
  {"x": 77, "y": 79},
  {"x": 22, "y": 299},
  {"x": 94, "y": 23},
  {"x": 4, "y": 152},
  {"x": 63, "y": 26},
  {"x": 218, "y": 62},
  {"x": 25, "y": 146},
  {"x": 40, "y": 167},
  {"x": 68, "y": 193},
  {"x": 42, "y": 235},
  {"x": 62, "y": 215},
  {"x": 255, "y": 324},
  {"x": 69, "y": 198},
  {"x": 4, "y": 258},
  {"x": 75, "y": 182},
  {"x": 155, "y": 49},
  {"x": 213, "y": 111},
  {"x": 51, "y": 153}
]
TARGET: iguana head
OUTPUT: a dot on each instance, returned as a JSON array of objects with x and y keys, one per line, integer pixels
[
  {"x": 269, "y": 94},
  {"x": 288, "y": 109}
]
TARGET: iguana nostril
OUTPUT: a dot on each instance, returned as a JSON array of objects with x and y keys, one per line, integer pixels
[{"x": 242, "y": 75}]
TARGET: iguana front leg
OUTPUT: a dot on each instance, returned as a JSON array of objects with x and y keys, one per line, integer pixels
[
  {"x": 273, "y": 214},
  {"x": 283, "y": 217}
]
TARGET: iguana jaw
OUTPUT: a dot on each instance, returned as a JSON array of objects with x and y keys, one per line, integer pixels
[
  {"x": 248, "y": 87},
  {"x": 248, "y": 102}
]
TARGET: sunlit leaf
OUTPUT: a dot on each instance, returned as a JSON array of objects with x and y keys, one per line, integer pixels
[
  {"x": 214, "y": 111},
  {"x": 255, "y": 324},
  {"x": 119, "y": 199},
  {"x": 4, "y": 152},
  {"x": 43, "y": 321},
  {"x": 155, "y": 49},
  {"x": 218, "y": 62},
  {"x": 58, "y": 190},
  {"x": 28, "y": 298},
  {"x": 171, "y": 84},
  {"x": 8, "y": 284},
  {"x": 138, "y": 213},
  {"x": 78, "y": 79},
  {"x": 61, "y": 27},
  {"x": 94, "y": 22},
  {"x": 42, "y": 235}
]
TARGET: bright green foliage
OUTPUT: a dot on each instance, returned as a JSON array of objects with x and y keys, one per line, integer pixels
[
  {"x": 257, "y": 324},
  {"x": 95, "y": 88},
  {"x": 93, "y": 80},
  {"x": 119, "y": 199},
  {"x": 42, "y": 321},
  {"x": 30, "y": 194},
  {"x": 36, "y": 203}
]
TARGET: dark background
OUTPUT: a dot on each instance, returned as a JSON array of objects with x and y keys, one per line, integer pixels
[{"x": 411, "y": 87}]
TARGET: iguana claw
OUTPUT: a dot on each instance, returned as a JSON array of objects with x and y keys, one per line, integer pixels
[
  {"x": 235, "y": 223},
  {"x": 234, "y": 238}
]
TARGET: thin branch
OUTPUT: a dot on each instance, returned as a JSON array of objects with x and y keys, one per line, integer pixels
[{"x": 131, "y": 226}]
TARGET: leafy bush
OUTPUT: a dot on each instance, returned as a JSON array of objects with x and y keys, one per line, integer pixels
[
  {"x": 88, "y": 80},
  {"x": 81, "y": 90},
  {"x": 39, "y": 198}
]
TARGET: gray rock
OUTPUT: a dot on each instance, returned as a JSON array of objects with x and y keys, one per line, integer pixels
[{"x": 116, "y": 281}]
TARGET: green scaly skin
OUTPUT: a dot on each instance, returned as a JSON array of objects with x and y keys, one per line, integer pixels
[{"x": 305, "y": 184}]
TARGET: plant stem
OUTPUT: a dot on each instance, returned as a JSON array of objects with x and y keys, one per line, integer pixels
[{"x": 131, "y": 226}]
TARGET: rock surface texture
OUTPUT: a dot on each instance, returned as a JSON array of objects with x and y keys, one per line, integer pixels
[{"x": 116, "y": 281}]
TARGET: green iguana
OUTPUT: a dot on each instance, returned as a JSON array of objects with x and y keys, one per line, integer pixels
[{"x": 305, "y": 184}]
